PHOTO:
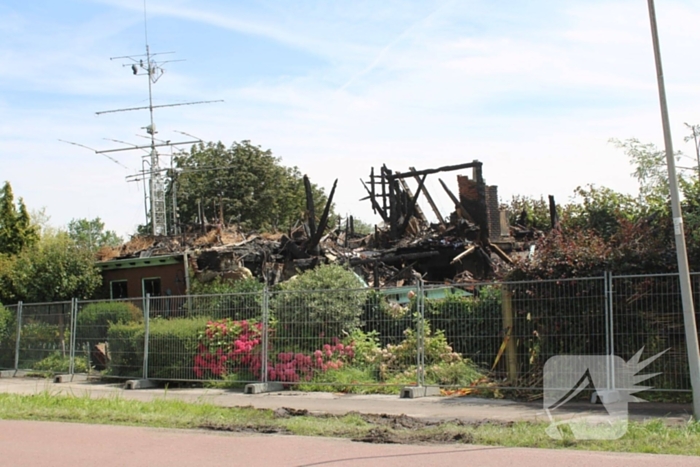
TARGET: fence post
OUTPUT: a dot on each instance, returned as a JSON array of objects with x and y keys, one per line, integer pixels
[
  {"x": 611, "y": 328},
  {"x": 509, "y": 327},
  {"x": 19, "y": 334},
  {"x": 73, "y": 326},
  {"x": 146, "y": 319},
  {"x": 420, "y": 343},
  {"x": 265, "y": 333}
]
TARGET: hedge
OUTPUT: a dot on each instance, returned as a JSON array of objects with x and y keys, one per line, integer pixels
[{"x": 172, "y": 346}]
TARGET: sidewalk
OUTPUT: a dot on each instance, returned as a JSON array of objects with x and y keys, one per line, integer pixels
[{"x": 438, "y": 408}]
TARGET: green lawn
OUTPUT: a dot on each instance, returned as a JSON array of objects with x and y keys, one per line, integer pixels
[{"x": 650, "y": 437}]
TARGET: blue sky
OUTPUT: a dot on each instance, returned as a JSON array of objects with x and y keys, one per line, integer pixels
[{"x": 533, "y": 89}]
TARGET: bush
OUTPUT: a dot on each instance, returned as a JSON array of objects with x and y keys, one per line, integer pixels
[
  {"x": 56, "y": 362},
  {"x": 389, "y": 320},
  {"x": 38, "y": 340},
  {"x": 238, "y": 300},
  {"x": 94, "y": 320},
  {"x": 319, "y": 304},
  {"x": 172, "y": 346},
  {"x": 7, "y": 337},
  {"x": 471, "y": 324}
]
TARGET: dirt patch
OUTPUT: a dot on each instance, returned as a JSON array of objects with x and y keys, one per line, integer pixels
[
  {"x": 248, "y": 428},
  {"x": 381, "y": 428},
  {"x": 387, "y": 436}
]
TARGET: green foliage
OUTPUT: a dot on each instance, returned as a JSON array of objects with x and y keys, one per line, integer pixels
[
  {"x": 91, "y": 234},
  {"x": 56, "y": 362},
  {"x": 55, "y": 269},
  {"x": 94, "y": 320},
  {"x": 471, "y": 324},
  {"x": 16, "y": 229},
  {"x": 172, "y": 347},
  {"x": 534, "y": 212},
  {"x": 7, "y": 337},
  {"x": 388, "y": 320},
  {"x": 322, "y": 302},
  {"x": 256, "y": 190},
  {"x": 239, "y": 299},
  {"x": 601, "y": 210}
]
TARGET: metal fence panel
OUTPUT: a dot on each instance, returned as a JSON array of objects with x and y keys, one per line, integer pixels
[
  {"x": 502, "y": 334},
  {"x": 45, "y": 335},
  {"x": 338, "y": 339},
  {"x": 109, "y": 338},
  {"x": 8, "y": 336},
  {"x": 648, "y": 314},
  {"x": 206, "y": 337},
  {"x": 457, "y": 336}
]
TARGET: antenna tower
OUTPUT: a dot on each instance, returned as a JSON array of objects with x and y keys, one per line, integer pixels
[{"x": 146, "y": 65}]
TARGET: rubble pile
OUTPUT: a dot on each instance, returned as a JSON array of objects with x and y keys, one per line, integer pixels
[{"x": 474, "y": 242}]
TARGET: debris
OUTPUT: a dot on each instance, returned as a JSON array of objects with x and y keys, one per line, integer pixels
[{"x": 467, "y": 246}]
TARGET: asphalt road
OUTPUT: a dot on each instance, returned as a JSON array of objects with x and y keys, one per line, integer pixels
[{"x": 25, "y": 443}]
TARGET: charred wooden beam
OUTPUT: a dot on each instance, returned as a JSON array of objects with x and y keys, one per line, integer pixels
[
  {"x": 501, "y": 254},
  {"x": 458, "y": 204},
  {"x": 371, "y": 183},
  {"x": 409, "y": 193},
  {"x": 429, "y": 198},
  {"x": 412, "y": 206},
  {"x": 287, "y": 244},
  {"x": 376, "y": 206},
  {"x": 396, "y": 258},
  {"x": 310, "y": 207},
  {"x": 447, "y": 168},
  {"x": 553, "y": 215},
  {"x": 323, "y": 221},
  {"x": 393, "y": 204}
]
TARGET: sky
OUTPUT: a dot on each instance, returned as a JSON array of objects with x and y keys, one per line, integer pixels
[{"x": 534, "y": 90}]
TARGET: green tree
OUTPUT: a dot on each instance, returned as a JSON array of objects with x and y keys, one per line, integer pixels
[
  {"x": 91, "y": 234},
  {"x": 55, "y": 269},
  {"x": 16, "y": 228},
  {"x": 247, "y": 183},
  {"x": 600, "y": 209},
  {"x": 529, "y": 211}
]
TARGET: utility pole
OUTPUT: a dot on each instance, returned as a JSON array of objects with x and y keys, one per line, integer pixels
[{"x": 691, "y": 331}]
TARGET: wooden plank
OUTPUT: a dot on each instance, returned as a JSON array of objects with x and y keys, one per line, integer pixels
[
  {"x": 460, "y": 256},
  {"x": 501, "y": 254}
]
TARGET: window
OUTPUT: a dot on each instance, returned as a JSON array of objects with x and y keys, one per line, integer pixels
[
  {"x": 151, "y": 286},
  {"x": 117, "y": 289}
]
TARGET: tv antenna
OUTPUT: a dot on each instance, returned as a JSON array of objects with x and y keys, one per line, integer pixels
[{"x": 147, "y": 65}]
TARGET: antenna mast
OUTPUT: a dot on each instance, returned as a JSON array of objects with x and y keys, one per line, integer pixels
[{"x": 157, "y": 179}]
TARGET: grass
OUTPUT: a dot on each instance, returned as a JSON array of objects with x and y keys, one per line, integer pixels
[{"x": 649, "y": 437}]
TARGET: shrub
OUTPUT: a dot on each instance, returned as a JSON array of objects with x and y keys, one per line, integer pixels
[
  {"x": 172, "y": 345},
  {"x": 389, "y": 320},
  {"x": 94, "y": 320},
  {"x": 471, "y": 324},
  {"x": 319, "y": 304},
  {"x": 56, "y": 362},
  {"x": 7, "y": 337},
  {"x": 38, "y": 339},
  {"x": 239, "y": 300}
]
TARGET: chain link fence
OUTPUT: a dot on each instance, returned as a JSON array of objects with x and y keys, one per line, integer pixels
[{"x": 496, "y": 335}]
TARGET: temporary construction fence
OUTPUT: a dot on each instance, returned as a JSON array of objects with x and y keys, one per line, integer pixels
[{"x": 458, "y": 336}]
